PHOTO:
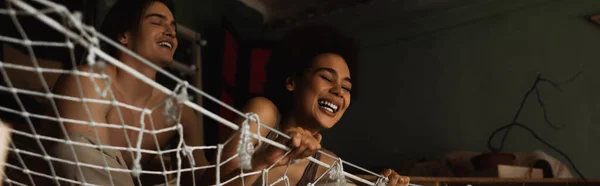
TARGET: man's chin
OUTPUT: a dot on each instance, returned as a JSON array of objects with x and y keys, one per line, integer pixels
[
  {"x": 165, "y": 63},
  {"x": 168, "y": 63}
]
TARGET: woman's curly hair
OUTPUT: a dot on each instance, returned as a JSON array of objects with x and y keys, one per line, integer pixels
[{"x": 294, "y": 54}]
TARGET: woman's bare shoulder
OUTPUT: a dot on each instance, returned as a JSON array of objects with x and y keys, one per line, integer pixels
[{"x": 264, "y": 108}]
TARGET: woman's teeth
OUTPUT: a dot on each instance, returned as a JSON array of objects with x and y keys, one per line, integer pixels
[{"x": 328, "y": 106}]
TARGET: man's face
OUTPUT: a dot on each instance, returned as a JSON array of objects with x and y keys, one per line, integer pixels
[{"x": 155, "y": 40}]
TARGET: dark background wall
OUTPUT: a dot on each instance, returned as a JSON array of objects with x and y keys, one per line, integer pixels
[{"x": 443, "y": 80}]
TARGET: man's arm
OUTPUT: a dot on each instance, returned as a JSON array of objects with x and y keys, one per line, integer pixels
[
  {"x": 193, "y": 136},
  {"x": 82, "y": 87}
]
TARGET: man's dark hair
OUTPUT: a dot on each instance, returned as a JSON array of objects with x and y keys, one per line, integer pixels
[
  {"x": 295, "y": 53},
  {"x": 124, "y": 16}
]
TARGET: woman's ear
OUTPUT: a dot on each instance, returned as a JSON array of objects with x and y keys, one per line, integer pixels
[
  {"x": 290, "y": 84},
  {"x": 124, "y": 38}
]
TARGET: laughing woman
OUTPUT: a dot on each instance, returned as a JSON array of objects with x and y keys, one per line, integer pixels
[{"x": 309, "y": 87}]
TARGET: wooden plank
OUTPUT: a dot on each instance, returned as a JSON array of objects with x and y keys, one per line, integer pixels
[
  {"x": 492, "y": 181},
  {"x": 474, "y": 181},
  {"x": 507, "y": 171},
  {"x": 501, "y": 180}
]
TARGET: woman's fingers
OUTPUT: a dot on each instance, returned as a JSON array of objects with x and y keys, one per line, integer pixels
[
  {"x": 304, "y": 143},
  {"x": 395, "y": 179}
]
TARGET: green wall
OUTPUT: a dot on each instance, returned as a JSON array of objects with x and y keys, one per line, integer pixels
[{"x": 455, "y": 75}]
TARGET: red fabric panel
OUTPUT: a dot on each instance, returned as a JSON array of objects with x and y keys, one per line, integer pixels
[
  {"x": 258, "y": 75},
  {"x": 225, "y": 113},
  {"x": 229, "y": 71}
]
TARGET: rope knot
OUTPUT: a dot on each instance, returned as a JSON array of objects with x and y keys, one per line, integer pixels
[
  {"x": 382, "y": 181},
  {"x": 136, "y": 170},
  {"x": 183, "y": 94},
  {"x": 337, "y": 173},
  {"x": 245, "y": 146},
  {"x": 170, "y": 112},
  {"x": 98, "y": 67},
  {"x": 187, "y": 151}
]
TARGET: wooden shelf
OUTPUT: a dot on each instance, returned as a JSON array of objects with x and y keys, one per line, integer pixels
[
  {"x": 491, "y": 181},
  {"x": 473, "y": 181}
]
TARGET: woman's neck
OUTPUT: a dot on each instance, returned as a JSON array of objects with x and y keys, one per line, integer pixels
[{"x": 292, "y": 120}]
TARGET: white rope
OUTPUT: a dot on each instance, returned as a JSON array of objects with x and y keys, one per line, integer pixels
[
  {"x": 137, "y": 167},
  {"x": 32, "y": 43},
  {"x": 382, "y": 181},
  {"x": 245, "y": 147},
  {"x": 69, "y": 98},
  {"x": 27, "y": 43},
  {"x": 11, "y": 11},
  {"x": 29, "y": 172},
  {"x": 337, "y": 173},
  {"x": 89, "y": 38},
  {"x": 158, "y": 148}
]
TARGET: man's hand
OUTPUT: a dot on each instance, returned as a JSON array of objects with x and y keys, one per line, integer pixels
[
  {"x": 303, "y": 145},
  {"x": 394, "y": 178}
]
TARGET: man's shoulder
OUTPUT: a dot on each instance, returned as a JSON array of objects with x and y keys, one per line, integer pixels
[
  {"x": 85, "y": 78},
  {"x": 105, "y": 71}
]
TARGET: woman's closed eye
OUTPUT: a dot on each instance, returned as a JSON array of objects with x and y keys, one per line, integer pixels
[{"x": 326, "y": 78}]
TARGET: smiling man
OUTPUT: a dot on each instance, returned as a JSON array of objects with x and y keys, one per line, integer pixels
[{"x": 148, "y": 28}]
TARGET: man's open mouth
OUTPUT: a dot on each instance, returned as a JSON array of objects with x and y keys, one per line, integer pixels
[{"x": 165, "y": 44}]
